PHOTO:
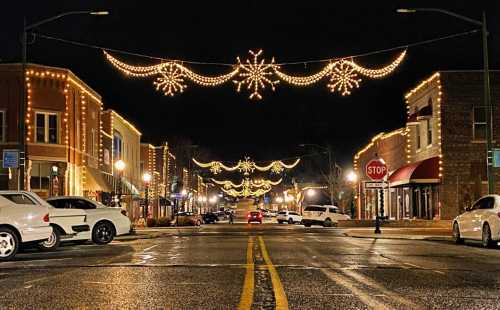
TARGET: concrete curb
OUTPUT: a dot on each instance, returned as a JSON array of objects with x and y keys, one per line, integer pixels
[{"x": 401, "y": 237}]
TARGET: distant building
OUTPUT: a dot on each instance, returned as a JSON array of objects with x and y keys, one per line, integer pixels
[
  {"x": 62, "y": 130},
  {"x": 122, "y": 141}
]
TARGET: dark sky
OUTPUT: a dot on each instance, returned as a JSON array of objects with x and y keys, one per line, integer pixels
[{"x": 227, "y": 122}]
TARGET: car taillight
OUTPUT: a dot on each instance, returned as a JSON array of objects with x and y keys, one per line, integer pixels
[
  {"x": 498, "y": 214},
  {"x": 124, "y": 212},
  {"x": 46, "y": 218},
  {"x": 260, "y": 215},
  {"x": 248, "y": 215}
]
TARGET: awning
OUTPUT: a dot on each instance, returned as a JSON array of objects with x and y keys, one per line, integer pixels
[
  {"x": 130, "y": 188},
  {"x": 95, "y": 181},
  {"x": 420, "y": 172}
]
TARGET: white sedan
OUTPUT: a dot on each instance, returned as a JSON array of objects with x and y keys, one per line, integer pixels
[
  {"x": 289, "y": 217},
  {"x": 481, "y": 221},
  {"x": 21, "y": 221},
  {"x": 65, "y": 223},
  {"x": 105, "y": 222}
]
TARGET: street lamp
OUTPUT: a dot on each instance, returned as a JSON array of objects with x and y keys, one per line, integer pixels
[
  {"x": 352, "y": 177},
  {"x": 311, "y": 192},
  {"x": 22, "y": 106},
  {"x": 486, "y": 84},
  {"x": 146, "y": 177},
  {"x": 119, "y": 166}
]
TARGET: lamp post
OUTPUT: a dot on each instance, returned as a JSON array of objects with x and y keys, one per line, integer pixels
[
  {"x": 330, "y": 178},
  {"x": 352, "y": 178},
  {"x": 24, "y": 57},
  {"x": 119, "y": 166},
  {"x": 486, "y": 84},
  {"x": 146, "y": 177}
]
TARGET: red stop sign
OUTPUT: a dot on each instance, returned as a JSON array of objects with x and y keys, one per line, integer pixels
[{"x": 376, "y": 169}]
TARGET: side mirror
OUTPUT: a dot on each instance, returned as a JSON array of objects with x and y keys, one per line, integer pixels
[{"x": 468, "y": 208}]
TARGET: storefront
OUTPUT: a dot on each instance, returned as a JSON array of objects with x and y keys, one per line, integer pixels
[{"x": 413, "y": 190}]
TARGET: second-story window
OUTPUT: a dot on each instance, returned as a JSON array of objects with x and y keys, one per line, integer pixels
[
  {"x": 117, "y": 146},
  {"x": 479, "y": 123},
  {"x": 429, "y": 132},
  {"x": 92, "y": 142},
  {"x": 418, "y": 136},
  {"x": 46, "y": 127}
]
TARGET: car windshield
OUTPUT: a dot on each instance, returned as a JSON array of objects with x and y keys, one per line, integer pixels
[
  {"x": 282, "y": 212},
  {"x": 315, "y": 208},
  {"x": 254, "y": 213}
]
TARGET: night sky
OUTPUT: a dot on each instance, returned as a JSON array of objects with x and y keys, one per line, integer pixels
[{"x": 226, "y": 122}]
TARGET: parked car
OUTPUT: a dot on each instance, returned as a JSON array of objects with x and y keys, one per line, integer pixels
[
  {"x": 254, "y": 216},
  {"x": 187, "y": 219},
  {"x": 105, "y": 222},
  {"x": 22, "y": 221},
  {"x": 289, "y": 217},
  {"x": 66, "y": 223},
  {"x": 209, "y": 217},
  {"x": 480, "y": 221},
  {"x": 272, "y": 213},
  {"x": 222, "y": 215},
  {"x": 326, "y": 216}
]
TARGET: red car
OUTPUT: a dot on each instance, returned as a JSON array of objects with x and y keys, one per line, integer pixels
[{"x": 254, "y": 216}]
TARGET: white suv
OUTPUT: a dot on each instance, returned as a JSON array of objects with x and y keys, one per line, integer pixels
[
  {"x": 21, "y": 221},
  {"x": 288, "y": 216},
  {"x": 326, "y": 216}
]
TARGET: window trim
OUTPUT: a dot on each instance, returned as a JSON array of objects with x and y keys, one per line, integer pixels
[{"x": 46, "y": 115}]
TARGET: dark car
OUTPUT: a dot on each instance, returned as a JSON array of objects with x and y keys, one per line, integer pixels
[
  {"x": 254, "y": 216},
  {"x": 210, "y": 218}
]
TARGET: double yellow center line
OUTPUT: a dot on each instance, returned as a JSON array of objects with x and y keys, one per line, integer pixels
[{"x": 249, "y": 283}]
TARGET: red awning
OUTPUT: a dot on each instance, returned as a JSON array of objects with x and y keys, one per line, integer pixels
[{"x": 425, "y": 171}]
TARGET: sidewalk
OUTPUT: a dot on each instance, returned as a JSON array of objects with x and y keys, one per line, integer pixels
[{"x": 432, "y": 234}]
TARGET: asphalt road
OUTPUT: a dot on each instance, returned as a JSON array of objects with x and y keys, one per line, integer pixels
[{"x": 255, "y": 267}]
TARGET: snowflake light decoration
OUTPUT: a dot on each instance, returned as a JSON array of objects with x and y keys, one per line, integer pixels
[
  {"x": 171, "y": 79},
  {"x": 343, "y": 78},
  {"x": 277, "y": 167},
  {"x": 216, "y": 168},
  {"x": 255, "y": 75},
  {"x": 246, "y": 166}
]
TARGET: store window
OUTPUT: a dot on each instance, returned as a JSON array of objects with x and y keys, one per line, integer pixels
[
  {"x": 40, "y": 176},
  {"x": 479, "y": 123},
  {"x": 46, "y": 127}
]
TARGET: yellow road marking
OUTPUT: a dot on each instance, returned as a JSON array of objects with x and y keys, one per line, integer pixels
[
  {"x": 246, "y": 298},
  {"x": 279, "y": 292}
]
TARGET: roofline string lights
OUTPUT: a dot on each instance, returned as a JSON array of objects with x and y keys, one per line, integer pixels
[
  {"x": 255, "y": 74},
  {"x": 247, "y": 166}
]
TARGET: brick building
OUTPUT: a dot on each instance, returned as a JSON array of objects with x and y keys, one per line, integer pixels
[
  {"x": 62, "y": 130},
  {"x": 443, "y": 168},
  {"x": 391, "y": 148}
]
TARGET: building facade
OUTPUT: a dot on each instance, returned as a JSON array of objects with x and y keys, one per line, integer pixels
[
  {"x": 62, "y": 130},
  {"x": 440, "y": 168}
]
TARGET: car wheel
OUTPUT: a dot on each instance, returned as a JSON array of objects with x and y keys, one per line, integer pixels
[
  {"x": 456, "y": 234},
  {"x": 103, "y": 233},
  {"x": 280, "y": 222},
  {"x": 290, "y": 221},
  {"x": 328, "y": 223},
  {"x": 486, "y": 236},
  {"x": 307, "y": 224},
  {"x": 9, "y": 244},
  {"x": 52, "y": 243},
  {"x": 198, "y": 223}
]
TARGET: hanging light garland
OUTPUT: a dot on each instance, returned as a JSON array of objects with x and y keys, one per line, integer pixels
[
  {"x": 247, "y": 166},
  {"x": 247, "y": 187},
  {"x": 255, "y": 75}
]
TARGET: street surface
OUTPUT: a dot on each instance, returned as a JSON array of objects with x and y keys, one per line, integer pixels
[{"x": 255, "y": 266}]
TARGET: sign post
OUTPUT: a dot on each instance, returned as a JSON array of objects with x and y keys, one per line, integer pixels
[{"x": 376, "y": 169}]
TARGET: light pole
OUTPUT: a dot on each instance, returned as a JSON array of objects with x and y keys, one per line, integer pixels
[
  {"x": 352, "y": 178},
  {"x": 146, "y": 177},
  {"x": 330, "y": 177},
  {"x": 486, "y": 84},
  {"x": 22, "y": 106},
  {"x": 119, "y": 166}
]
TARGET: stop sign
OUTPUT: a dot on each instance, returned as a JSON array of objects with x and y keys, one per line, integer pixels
[{"x": 376, "y": 169}]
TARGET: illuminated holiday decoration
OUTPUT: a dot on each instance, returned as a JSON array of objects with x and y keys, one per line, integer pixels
[
  {"x": 247, "y": 187},
  {"x": 247, "y": 166},
  {"x": 255, "y": 75},
  {"x": 170, "y": 80},
  {"x": 343, "y": 78}
]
